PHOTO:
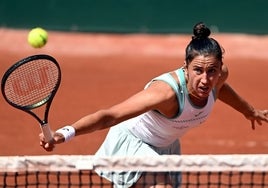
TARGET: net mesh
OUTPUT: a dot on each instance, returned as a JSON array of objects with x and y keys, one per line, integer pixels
[{"x": 79, "y": 171}]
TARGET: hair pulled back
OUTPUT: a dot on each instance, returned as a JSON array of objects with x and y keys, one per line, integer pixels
[{"x": 202, "y": 44}]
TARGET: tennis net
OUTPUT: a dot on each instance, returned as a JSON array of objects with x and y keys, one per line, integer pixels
[{"x": 214, "y": 171}]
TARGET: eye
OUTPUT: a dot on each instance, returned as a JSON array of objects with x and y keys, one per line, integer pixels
[
  {"x": 198, "y": 70},
  {"x": 212, "y": 71}
]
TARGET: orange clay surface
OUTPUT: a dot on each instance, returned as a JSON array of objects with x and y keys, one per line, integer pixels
[{"x": 101, "y": 70}]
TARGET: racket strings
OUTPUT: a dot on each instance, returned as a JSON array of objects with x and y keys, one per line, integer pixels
[{"x": 32, "y": 83}]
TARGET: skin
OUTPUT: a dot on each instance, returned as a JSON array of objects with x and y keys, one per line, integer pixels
[{"x": 202, "y": 75}]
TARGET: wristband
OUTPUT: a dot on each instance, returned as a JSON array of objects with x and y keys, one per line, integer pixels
[{"x": 68, "y": 132}]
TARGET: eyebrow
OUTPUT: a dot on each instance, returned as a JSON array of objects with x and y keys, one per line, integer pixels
[{"x": 210, "y": 66}]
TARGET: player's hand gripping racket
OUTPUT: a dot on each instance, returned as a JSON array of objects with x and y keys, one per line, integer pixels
[{"x": 31, "y": 83}]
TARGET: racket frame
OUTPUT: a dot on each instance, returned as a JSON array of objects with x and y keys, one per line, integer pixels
[{"x": 45, "y": 127}]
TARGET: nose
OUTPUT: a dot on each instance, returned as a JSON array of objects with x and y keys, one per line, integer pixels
[{"x": 204, "y": 78}]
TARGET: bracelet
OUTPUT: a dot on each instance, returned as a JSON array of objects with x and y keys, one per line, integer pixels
[{"x": 68, "y": 132}]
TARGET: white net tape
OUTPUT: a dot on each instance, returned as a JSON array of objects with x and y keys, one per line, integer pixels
[{"x": 212, "y": 163}]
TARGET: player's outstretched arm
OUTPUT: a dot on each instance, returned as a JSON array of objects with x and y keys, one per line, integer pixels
[
  {"x": 230, "y": 97},
  {"x": 149, "y": 99}
]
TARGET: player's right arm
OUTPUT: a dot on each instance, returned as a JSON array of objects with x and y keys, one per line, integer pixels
[{"x": 152, "y": 98}]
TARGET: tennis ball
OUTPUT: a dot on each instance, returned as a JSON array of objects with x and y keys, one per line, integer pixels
[{"x": 37, "y": 37}]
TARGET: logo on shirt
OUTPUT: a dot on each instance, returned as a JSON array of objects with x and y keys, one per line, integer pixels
[{"x": 198, "y": 114}]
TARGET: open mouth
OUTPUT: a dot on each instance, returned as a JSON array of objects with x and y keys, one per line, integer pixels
[{"x": 204, "y": 89}]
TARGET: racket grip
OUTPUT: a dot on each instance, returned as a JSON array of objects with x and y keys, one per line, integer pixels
[{"x": 47, "y": 132}]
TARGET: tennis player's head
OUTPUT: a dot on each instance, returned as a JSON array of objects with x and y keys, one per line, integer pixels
[
  {"x": 203, "y": 62},
  {"x": 202, "y": 44}
]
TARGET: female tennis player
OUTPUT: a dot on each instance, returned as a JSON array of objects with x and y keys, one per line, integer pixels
[{"x": 152, "y": 121}]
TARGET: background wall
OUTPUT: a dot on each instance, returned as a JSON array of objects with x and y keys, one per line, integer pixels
[{"x": 138, "y": 16}]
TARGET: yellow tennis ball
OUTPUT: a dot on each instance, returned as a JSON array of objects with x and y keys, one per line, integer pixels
[{"x": 37, "y": 37}]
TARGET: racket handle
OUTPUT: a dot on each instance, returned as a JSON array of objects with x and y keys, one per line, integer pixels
[{"x": 47, "y": 132}]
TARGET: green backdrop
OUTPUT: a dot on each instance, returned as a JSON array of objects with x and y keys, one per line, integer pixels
[{"x": 136, "y": 16}]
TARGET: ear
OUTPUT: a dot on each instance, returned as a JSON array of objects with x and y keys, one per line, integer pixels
[
  {"x": 185, "y": 70},
  {"x": 185, "y": 67}
]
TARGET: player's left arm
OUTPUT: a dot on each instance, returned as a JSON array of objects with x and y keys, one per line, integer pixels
[{"x": 230, "y": 97}]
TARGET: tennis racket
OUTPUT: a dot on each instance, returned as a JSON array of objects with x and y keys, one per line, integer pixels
[{"x": 31, "y": 83}]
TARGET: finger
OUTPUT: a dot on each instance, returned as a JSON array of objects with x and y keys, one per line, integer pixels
[
  {"x": 41, "y": 143},
  {"x": 49, "y": 146},
  {"x": 41, "y": 136},
  {"x": 259, "y": 122},
  {"x": 253, "y": 124},
  {"x": 265, "y": 115}
]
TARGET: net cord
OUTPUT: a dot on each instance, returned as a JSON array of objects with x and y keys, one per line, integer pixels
[{"x": 208, "y": 163}]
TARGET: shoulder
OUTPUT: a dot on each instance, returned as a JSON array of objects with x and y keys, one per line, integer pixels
[
  {"x": 169, "y": 78},
  {"x": 224, "y": 71},
  {"x": 165, "y": 82},
  {"x": 164, "y": 98},
  {"x": 224, "y": 75}
]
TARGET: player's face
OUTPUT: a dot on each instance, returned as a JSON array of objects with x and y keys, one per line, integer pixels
[{"x": 202, "y": 75}]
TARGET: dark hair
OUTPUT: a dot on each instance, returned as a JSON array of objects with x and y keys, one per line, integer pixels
[{"x": 201, "y": 44}]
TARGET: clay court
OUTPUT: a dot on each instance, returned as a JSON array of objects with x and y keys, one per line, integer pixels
[{"x": 101, "y": 70}]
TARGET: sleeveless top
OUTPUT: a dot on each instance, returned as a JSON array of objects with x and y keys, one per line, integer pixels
[{"x": 156, "y": 129}]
